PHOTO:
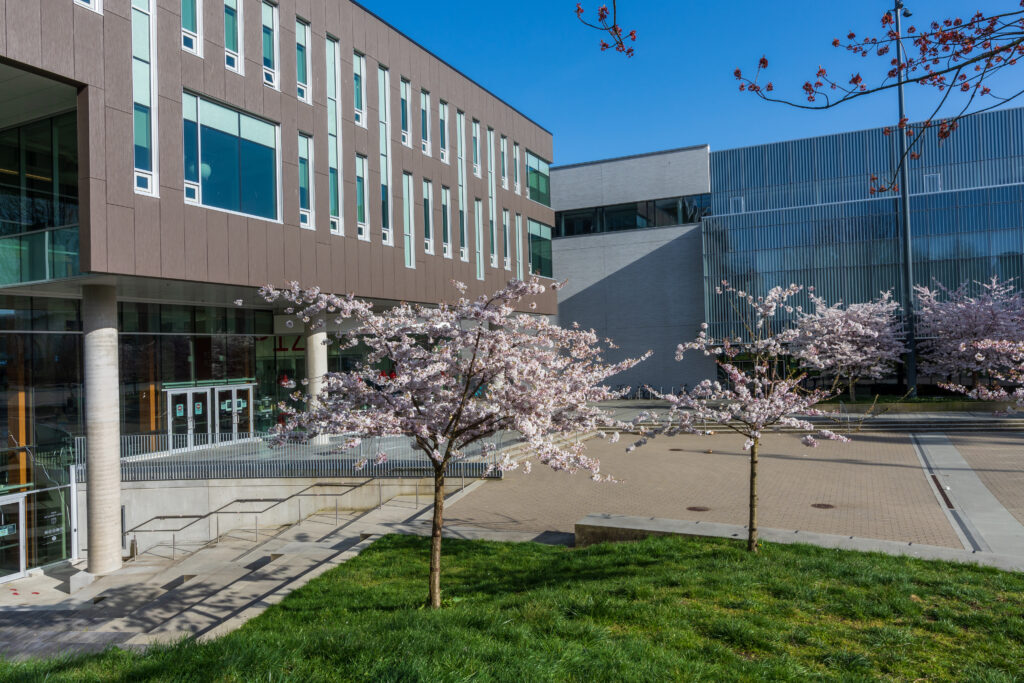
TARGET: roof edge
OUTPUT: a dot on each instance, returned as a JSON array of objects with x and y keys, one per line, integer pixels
[{"x": 632, "y": 156}]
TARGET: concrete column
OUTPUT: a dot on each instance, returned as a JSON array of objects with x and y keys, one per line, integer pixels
[
  {"x": 102, "y": 428},
  {"x": 316, "y": 360}
]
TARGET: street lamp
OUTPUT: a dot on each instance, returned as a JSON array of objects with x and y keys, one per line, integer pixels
[{"x": 908, "y": 256}]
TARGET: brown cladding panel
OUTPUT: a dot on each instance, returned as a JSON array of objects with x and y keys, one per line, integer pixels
[{"x": 179, "y": 241}]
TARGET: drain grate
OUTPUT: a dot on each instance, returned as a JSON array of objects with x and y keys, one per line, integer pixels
[
  {"x": 698, "y": 508},
  {"x": 822, "y": 506},
  {"x": 677, "y": 450}
]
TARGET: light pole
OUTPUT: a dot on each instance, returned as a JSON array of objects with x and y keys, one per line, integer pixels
[{"x": 908, "y": 255}]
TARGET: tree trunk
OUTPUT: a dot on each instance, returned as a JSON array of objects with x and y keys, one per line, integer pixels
[
  {"x": 752, "y": 523},
  {"x": 853, "y": 391},
  {"x": 435, "y": 539}
]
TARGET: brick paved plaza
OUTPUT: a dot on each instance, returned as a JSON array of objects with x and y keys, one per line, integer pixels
[
  {"x": 998, "y": 460},
  {"x": 875, "y": 484}
]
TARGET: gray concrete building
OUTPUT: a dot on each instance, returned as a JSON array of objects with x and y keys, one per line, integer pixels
[{"x": 642, "y": 288}]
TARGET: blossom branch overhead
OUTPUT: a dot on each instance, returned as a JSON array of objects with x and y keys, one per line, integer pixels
[
  {"x": 607, "y": 22},
  {"x": 956, "y": 58}
]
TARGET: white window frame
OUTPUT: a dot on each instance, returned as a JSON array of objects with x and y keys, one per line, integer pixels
[
  {"x": 409, "y": 219},
  {"x": 492, "y": 209},
  {"x": 271, "y": 77},
  {"x": 446, "y": 217},
  {"x": 475, "y": 151},
  {"x": 304, "y": 91},
  {"x": 519, "y": 246},
  {"x": 197, "y": 37},
  {"x": 151, "y": 179},
  {"x": 405, "y": 111},
  {"x": 333, "y": 46},
  {"x": 307, "y": 217},
  {"x": 363, "y": 226},
  {"x": 504, "y": 162},
  {"x": 235, "y": 61},
  {"x": 507, "y": 239},
  {"x": 515, "y": 167},
  {"x": 384, "y": 107},
  {"x": 478, "y": 214},
  {"x": 463, "y": 212},
  {"x": 442, "y": 116},
  {"x": 359, "y": 114},
  {"x": 428, "y": 216},
  {"x": 94, "y": 5},
  {"x": 425, "y": 137},
  {"x": 278, "y": 170}
]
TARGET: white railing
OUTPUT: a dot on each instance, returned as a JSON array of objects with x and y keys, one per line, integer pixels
[{"x": 162, "y": 457}]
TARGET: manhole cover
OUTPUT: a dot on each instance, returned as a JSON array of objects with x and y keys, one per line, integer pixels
[
  {"x": 697, "y": 508},
  {"x": 822, "y": 506}
]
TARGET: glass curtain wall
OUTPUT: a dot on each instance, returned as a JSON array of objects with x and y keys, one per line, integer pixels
[{"x": 39, "y": 200}]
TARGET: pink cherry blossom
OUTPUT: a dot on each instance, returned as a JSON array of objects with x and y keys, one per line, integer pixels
[{"x": 463, "y": 371}]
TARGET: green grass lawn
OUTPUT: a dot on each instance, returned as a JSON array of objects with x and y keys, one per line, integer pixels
[{"x": 661, "y": 609}]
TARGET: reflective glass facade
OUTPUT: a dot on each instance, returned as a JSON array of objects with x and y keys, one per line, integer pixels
[
  {"x": 39, "y": 201},
  {"x": 800, "y": 211},
  {"x": 649, "y": 214}
]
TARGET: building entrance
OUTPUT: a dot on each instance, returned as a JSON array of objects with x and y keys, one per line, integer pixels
[
  {"x": 201, "y": 417},
  {"x": 12, "y": 537}
]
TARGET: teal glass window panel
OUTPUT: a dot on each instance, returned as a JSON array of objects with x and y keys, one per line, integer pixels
[
  {"x": 143, "y": 138},
  {"x": 140, "y": 36},
  {"x": 189, "y": 19},
  {"x": 230, "y": 26}
]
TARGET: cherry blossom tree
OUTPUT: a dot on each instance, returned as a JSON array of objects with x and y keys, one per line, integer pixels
[
  {"x": 952, "y": 321},
  {"x": 849, "y": 343},
  {"x": 463, "y": 372},
  {"x": 607, "y": 22},
  {"x": 762, "y": 391},
  {"x": 1004, "y": 361}
]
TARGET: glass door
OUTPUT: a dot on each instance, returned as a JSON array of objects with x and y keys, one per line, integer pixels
[
  {"x": 12, "y": 538},
  {"x": 234, "y": 413},
  {"x": 189, "y": 423}
]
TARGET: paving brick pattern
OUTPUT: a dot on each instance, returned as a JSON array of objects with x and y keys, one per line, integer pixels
[
  {"x": 875, "y": 485},
  {"x": 998, "y": 460}
]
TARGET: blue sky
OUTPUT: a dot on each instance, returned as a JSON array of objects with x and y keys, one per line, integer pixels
[{"x": 678, "y": 90}]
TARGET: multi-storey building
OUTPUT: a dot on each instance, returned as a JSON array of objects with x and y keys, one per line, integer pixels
[
  {"x": 160, "y": 160},
  {"x": 800, "y": 211}
]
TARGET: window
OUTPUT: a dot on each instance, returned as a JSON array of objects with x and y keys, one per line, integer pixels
[
  {"x": 425, "y": 122},
  {"x": 446, "y": 230},
  {"x": 233, "y": 55},
  {"x": 538, "y": 179},
  {"x": 519, "y": 246},
  {"x": 306, "y": 182},
  {"x": 408, "y": 199},
  {"x": 270, "y": 45},
  {"x": 428, "y": 217},
  {"x": 442, "y": 115},
  {"x": 359, "y": 95},
  {"x": 383, "y": 105},
  {"x": 476, "y": 148},
  {"x": 540, "y": 248},
  {"x": 515, "y": 165},
  {"x": 404, "y": 93},
  {"x": 491, "y": 208},
  {"x": 460, "y": 145},
  {"x": 479, "y": 215},
  {"x": 362, "y": 221},
  {"x": 94, "y": 5},
  {"x": 932, "y": 182},
  {"x": 409, "y": 244},
  {"x": 143, "y": 88},
  {"x": 231, "y": 159},
  {"x": 504, "y": 162},
  {"x": 333, "y": 135},
  {"x": 192, "y": 26},
  {"x": 302, "y": 66},
  {"x": 505, "y": 239},
  {"x": 736, "y": 205}
]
